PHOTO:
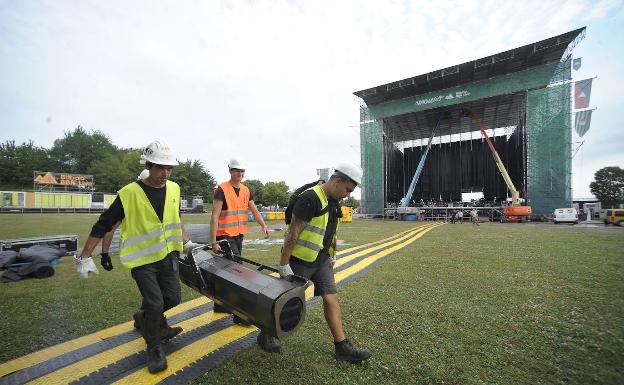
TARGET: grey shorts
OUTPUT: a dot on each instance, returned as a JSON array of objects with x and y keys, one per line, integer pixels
[{"x": 322, "y": 276}]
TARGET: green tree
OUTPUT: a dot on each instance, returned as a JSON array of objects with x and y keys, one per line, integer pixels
[
  {"x": 78, "y": 150},
  {"x": 255, "y": 187},
  {"x": 350, "y": 202},
  {"x": 275, "y": 193},
  {"x": 608, "y": 186},
  {"x": 194, "y": 179},
  {"x": 116, "y": 170},
  {"x": 18, "y": 163}
]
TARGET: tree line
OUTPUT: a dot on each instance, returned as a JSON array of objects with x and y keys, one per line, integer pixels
[{"x": 92, "y": 153}]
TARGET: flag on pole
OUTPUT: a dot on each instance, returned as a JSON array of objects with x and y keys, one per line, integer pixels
[
  {"x": 582, "y": 119},
  {"x": 576, "y": 63},
  {"x": 582, "y": 91}
]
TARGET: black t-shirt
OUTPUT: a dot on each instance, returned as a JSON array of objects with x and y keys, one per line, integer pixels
[
  {"x": 115, "y": 212},
  {"x": 220, "y": 195},
  {"x": 308, "y": 206}
]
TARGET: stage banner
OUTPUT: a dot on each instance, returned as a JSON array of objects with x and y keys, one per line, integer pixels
[
  {"x": 581, "y": 121},
  {"x": 582, "y": 92}
]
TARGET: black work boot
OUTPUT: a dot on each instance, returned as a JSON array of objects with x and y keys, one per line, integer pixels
[
  {"x": 156, "y": 360},
  {"x": 345, "y": 351},
  {"x": 268, "y": 344},
  {"x": 166, "y": 332}
]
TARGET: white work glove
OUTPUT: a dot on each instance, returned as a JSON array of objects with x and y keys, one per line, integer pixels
[
  {"x": 86, "y": 267},
  {"x": 285, "y": 270},
  {"x": 189, "y": 245}
]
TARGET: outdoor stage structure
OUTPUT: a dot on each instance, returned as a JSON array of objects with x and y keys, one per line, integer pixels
[{"x": 523, "y": 97}]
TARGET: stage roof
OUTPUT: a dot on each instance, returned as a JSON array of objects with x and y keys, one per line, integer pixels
[
  {"x": 517, "y": 59},
  {"x": 499, "y": 111}
]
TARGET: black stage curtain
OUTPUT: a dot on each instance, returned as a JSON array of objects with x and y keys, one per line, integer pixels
[{"x": 453, "y": 168}]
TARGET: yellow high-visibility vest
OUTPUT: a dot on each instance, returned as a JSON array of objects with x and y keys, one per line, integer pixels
[
  {"x": 144, "y": 238},
  {"x": 310, "y": 241}
]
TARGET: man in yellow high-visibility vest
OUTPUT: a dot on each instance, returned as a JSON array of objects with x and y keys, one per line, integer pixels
[
  {"x": 152, "y": 237},
  {"x": 309, "y": 251}
]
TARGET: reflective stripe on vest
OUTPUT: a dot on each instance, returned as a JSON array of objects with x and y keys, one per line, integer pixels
[
  {"x": 144, "y": 238},
  {"x": 310, "y": 240},
  {"x": 233, "y": 221}
]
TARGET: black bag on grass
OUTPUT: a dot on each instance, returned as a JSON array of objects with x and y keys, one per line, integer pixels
[
  {"x": 7, "y": 258},
  {"x": 39, "y": 267}
]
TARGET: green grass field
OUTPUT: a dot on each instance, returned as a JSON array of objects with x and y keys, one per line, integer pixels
[{"x": 498, "y": 303}]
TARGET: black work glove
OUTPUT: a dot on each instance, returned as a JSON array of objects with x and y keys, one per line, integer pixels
[{"x": 106, "y": 262}]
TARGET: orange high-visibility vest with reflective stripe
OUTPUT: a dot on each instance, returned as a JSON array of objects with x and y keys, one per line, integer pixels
[{"x": 233, "y": 221}]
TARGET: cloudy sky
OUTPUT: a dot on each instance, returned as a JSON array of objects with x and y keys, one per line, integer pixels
[{"x": 272, "y": 81}]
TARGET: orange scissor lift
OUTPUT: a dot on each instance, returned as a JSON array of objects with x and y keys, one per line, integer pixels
[{"x": 515, "y": 212}]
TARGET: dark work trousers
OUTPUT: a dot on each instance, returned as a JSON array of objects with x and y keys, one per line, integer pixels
[
  {"x": 236, "y": 243},
  {"x": 236, "y": 246},
  {"x": 159, "y": 284}
]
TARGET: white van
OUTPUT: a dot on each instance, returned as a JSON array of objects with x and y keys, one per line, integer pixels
[{"x": 569, "y": 215}]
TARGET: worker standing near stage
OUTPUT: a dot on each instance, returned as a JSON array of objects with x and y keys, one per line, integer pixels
[
  {"x": 460, "y": 216},
  {"x": 474, "y": 217},
  {"x": 232, "y": 201},
  {"x": 152, "y": 237},
  {"x": 309, "y": 251}
]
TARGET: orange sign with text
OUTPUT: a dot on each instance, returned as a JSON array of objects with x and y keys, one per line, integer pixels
[{"x": 64, "y": 179}]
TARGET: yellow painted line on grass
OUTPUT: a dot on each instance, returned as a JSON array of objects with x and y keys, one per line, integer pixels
[
  {"x": 369, "y": 260},
  {"x": 351, "y": 257},
  {"x": 181, "y": 358},
  {"x": 372, "y": 243},
  {"x": 98, "y": 361},
  {"x": 75, "y": 344}
]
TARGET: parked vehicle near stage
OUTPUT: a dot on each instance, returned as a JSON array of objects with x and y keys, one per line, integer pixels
[
  {"x": 566, "y": 215},
  {"x": 615, "y": 217}
]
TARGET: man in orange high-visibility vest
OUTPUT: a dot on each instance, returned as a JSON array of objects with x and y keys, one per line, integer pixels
[{"x": 232, "y": 201}]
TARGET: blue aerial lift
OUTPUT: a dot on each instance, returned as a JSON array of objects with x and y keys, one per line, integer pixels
[{"x": 404, "y": 207}]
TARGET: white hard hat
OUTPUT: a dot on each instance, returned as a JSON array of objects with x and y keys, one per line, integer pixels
[
  {"x": 237, "y": 163},
  {"x": 158, "y": 153},
  {"x": 143, "y": 175},
  {"x": 353, "y": 171}
]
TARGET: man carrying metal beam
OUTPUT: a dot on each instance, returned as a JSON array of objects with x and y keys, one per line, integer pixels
[{"x": 309, "y": 251}]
